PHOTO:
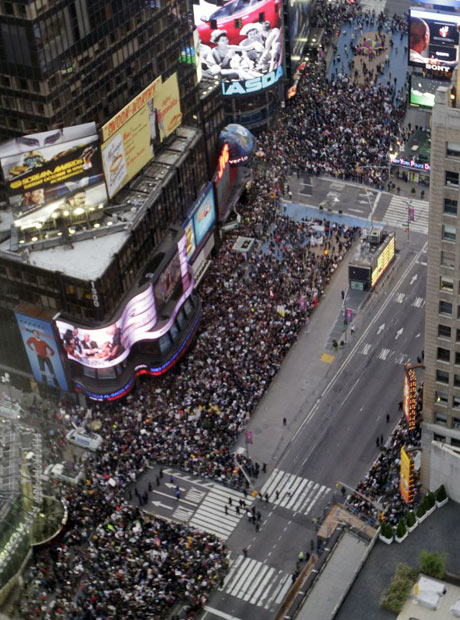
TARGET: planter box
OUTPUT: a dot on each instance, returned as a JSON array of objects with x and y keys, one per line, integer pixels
[
  {"x": 442, "y": 502},
  {"x": 400, "y": 540},
  {"x": 422, "y": 519},
  {"x": 430, "y": 511},
  {"x": 411, "y": 528},
  {"x": 386, "y": 540}
]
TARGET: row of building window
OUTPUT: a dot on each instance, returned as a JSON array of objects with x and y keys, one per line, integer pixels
[{"x": 442, "y": 398}]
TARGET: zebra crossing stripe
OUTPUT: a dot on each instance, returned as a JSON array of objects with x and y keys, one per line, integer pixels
[
  {"x": 366, "y": 348},
  {"x": 285, "y": 584},
  {"x": 271, "y": 484},
  {"x": 293, "y": 492},
  {"x": 232, "y": 569},
  {"x": 242, "y": 582},
  {"x": 418, "y": 302},
  {"x": 260, "y": 577},
  {"x": 315, "y": 499},
  {"x": 384, "y": 354},
  {"x": 256, "y": 600}
]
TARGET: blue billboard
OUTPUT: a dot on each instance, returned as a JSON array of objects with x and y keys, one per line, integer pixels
[
  {"x": 204, "y": 215},
  {"x": 42, "y": 351}
]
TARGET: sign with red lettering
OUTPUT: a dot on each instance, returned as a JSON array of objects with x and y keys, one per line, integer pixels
[{"x": 223, "y": 161}]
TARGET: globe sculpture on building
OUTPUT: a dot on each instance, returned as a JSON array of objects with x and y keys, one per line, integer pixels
[{"x": 240, "y": 142}]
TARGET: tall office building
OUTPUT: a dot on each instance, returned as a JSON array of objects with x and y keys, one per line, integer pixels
[
  {"x": 441, "y": 402},
  {"x": 74, "y": 61}
]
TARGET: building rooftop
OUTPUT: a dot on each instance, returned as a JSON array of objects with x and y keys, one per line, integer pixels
[{"x": 86, "y": 253}]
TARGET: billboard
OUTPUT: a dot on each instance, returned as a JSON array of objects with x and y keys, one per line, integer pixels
[
  {"x": 241, "y": 42},
  {"x": 433, "y": 42},
  {"x": 422, "y": 91},
  {"x": 410, "y": 396},
  {"x": 204, "y": 215},
  {"x": 298, "y": 12},
  {"x": 49, "y": 168},
  {"x": 42, "y": 351},
  {"x": 128, "y": 137},
  {"x": 109, "y": 345},
  {"x": 407, "y": 477}
]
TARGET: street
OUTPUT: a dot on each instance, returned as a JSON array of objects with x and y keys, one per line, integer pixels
[{"x": 333, "y": 425}]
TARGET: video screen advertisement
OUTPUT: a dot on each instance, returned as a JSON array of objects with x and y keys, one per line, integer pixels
[
  {"x": 422, "y": 91},
  {"x": 241, "y": 41},
  {"x": 433, "y": 42},
  {"x": 128, "y": 138},
  {"x": 108, "y": 346},
  {"x": 298, "y": 13},
  {"x": 42, "y": 351},
  {"x": 52, "y": 169}
]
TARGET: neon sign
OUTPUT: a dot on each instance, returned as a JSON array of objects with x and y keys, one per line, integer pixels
[{"x": 223, "y": 161}]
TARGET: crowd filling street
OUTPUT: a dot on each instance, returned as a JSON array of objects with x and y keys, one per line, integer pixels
[{"x": 114, "y": 559}]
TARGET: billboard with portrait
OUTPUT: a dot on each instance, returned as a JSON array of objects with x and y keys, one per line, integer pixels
[
  {"x": 109, "y": 345},
  {"x": 49, "y": 167},
  {"x": 241, "y": 42},
  {"x": 128, "y": 138},
  {"x": 42, "y": 351},
  {"x": 204, "y": 215},
  {"x": 433, "y": 42}
]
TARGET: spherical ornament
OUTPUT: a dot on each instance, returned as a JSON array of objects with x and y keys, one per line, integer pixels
[{"x": 240, "y": 142}]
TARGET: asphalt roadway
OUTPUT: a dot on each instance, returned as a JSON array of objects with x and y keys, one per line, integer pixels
[{"x": 335, "y": 404}]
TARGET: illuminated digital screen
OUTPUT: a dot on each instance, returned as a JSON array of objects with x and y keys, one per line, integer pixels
[
  {"x": 53, "y": 171},
  {"x": 204, "y": 215},
  {"x": 109, "y": 345},
  {"x": 383, "y": 260},
  {"x": 407, "y": 477},
  {"x": 410, "y": 397},
  {"x": 422, "y": 91},
  {"x": 240, "y": 41},
  {"x": 433, "y": 42}
]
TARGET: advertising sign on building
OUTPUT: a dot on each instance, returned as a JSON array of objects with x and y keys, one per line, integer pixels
[
  {"x": 204, "y": 215},
  {"x": 407, "y": 477},
  {"x": 433, "y": 42},
  {"x": 128, "y": 137},
  {"x": 241, "y": 42},
  {"x": 410, "y": 396},
  {"x": 42, "y": 351},
  {"x": 109, "y": 345},
  {"x": 55, "y": 169}
]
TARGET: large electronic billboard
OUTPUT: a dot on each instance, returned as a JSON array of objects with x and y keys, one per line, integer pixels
[
  {"x": 422, "y": 91},
  {"x": 44, "y": 171},
  {"x": 241, "y": 41},
  {"x": 42, "y": 351},
  {"x": 109, "y": 345},
  {"x": 433, "y": 42},
  {"x": 298, "y": 12},
  {"x": 128, "y": 137}
]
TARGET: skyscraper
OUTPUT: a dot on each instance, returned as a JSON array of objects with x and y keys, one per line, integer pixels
[
  {"x": 73, "y": 61},
  {"x": 441, "y": 401}
]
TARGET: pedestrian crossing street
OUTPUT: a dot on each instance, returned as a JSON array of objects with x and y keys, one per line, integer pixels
[
  {"x": 397, "y": 214},
  {"x": 209, "y": 512},
  {"x": 256, "y": 583},
  {"x": 293, "y": 492}
]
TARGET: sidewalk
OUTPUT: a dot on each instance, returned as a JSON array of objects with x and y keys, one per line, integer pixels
[{"x": 307, "y": 365}]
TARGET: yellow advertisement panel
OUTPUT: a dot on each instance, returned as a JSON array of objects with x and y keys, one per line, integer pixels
[
  {"x": 405, "y": 473},
  {"x": 129, "y": 136},
  {"x": 167, "y": 107}
]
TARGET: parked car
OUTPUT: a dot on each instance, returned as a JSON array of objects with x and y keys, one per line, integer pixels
[
  {"x": 85, "y": 440},
  {"x": 61, "y": 471}
]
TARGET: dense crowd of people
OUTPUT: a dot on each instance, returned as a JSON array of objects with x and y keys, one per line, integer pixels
[{"x": 114, "y": 559}]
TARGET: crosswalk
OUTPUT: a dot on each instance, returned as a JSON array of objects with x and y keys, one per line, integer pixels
[
  {"x": 385, "y": 354},
  {"x": 210, "y": 514},
  {"x": 397, "y": 214},
  {"x": 256, "y": 583},
  {"x": 293, "y": 492}
]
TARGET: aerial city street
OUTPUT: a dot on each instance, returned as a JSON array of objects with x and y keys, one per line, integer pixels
[{"x": 228, "y": 271}]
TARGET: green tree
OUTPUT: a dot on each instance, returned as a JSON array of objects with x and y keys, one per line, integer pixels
[
  {"x": 433, "y": 563},
  {"x": 441, "y": 494},
  {"x": 401, "y": 530},
  {"x": 410, "y": 518},
  {"x": 399, "y": 589}
]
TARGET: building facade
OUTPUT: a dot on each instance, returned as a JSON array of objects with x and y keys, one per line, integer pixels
[
  {"x": 64, "y": 62},
  {"x": 441, "y": 397}
]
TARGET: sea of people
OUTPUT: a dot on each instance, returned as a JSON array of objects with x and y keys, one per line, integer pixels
[{"x": 115, "y": 559}]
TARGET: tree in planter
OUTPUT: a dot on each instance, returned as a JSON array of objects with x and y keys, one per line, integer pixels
[
  {"x": 441, "y": 494},
  {"x": 420, "y": 512},
  {"x": 410, "y": 519},
  {"x": 401, "y": 530},
  {"x": 386, "y": 530},
  {"x": 399, "y": 589},
  {"x": 430, "y": 500},
  {"x": 433, "y": 563}
]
